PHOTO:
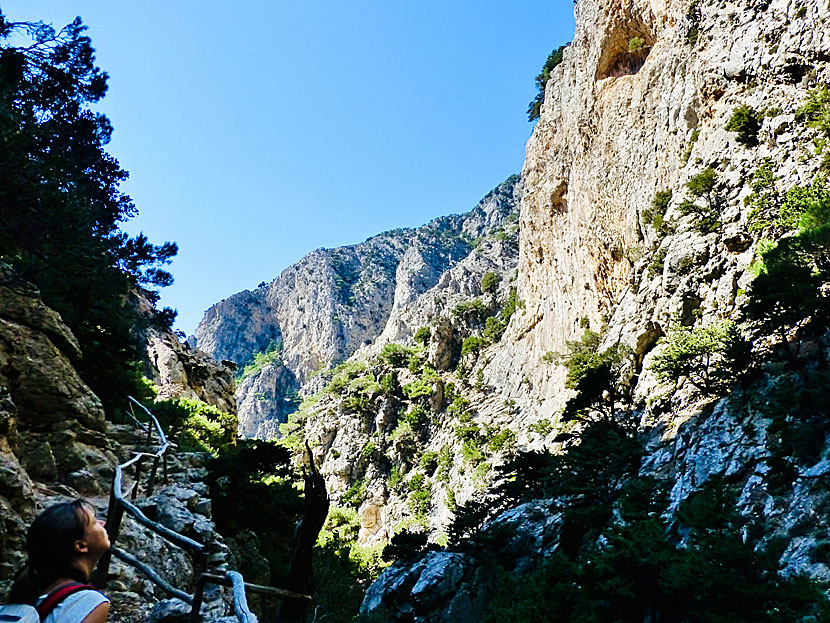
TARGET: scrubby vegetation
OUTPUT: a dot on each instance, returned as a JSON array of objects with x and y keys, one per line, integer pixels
[
  {"x": 554, "y": 59},
  {"x": 745, "y": 123},
  {"x": 710, "y": 357}
]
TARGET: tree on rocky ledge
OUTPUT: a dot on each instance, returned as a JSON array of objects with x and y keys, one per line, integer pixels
[{"x": 60, "y": 202}]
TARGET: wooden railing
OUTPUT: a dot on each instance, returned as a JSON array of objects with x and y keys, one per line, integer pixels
[{"x": 120, "y": 504}]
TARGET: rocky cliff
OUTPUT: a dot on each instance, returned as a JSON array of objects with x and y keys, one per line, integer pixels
[{"x": 334, "y": 302}]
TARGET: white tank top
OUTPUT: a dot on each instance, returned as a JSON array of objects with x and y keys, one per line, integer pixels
[{"x": 75, "y": 608}]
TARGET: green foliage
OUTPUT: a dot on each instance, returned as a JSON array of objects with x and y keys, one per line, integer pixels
[
  {"x": 429, "y": 462},
  {"x": 361, "y": 394},
  {"x": 472, "y": 441},
  {"x": 422, "y": 387},
  {"x": 635, "y": 45},
  {"x": 503, "y": 440},
  {"x": 816, "y": 113},
  {"x": 745, "y": 122},
  {"x": 195, "y": 425},
  {"x": 554, "y": 59},
  {"x": 473, "y": 312},
  {"x": 789, "y": 288},
  {"x": 542, "y": 427},
  {"x": 657, "y": 263},
  {"x": 691, "y": 145},
  {"x": 595, "y": 376},
  {"x": 422, "y": 336},
  {"x": 342, "y": 374},
  {"x": 694, "y": 16},
  {"x": 490, "y": 283},
  {"x": 495, "y": 325},
  {"x": 710, "y": 357},
  {"x": 473, "y": 344},
  {"x": 445, "y": 459},
  {"x": 397, "y": 355},
  {"x": 416, "y": 417},
  {"x": 586, "y": 475},
  {"x": 420, "y": 496},
  {"x": 389, "y": 383},
  {"x": 655, "y": 214},
  {"x": 259, "y": 361},
  {"x": 395, "y": 477},
  {"x": 62, "y": 204},
  {"x": 702, "y": 186},
  {"x": 354, "y": 495}
]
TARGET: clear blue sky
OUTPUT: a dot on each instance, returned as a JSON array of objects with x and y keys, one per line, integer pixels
[{"x": 257, "y": 131}]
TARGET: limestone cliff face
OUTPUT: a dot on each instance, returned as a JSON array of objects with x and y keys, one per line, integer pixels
[
  {"x": 337, "y": 301},
  {"x": 178, "y": 370},
  {"x": 618, "y": 126}
]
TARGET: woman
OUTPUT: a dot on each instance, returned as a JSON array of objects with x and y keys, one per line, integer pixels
[{"x": 64, "y": 544}]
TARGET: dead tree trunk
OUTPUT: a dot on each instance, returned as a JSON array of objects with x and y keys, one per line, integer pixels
[{"x": 301, "y": 573}]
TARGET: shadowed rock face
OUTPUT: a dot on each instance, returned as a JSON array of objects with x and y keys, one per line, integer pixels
[{"x": 334, "y": 302}]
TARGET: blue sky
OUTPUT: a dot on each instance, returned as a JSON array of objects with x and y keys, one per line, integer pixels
[{"x": 257, "y": 131}]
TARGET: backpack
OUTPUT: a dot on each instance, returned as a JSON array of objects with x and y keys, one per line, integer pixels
[{"x": 23, "y": 613}]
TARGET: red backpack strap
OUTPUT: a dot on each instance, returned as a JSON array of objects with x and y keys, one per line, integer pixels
[{"x": 58, "y": 595}]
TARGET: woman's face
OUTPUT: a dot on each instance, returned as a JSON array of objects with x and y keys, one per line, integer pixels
[{"x": 95, "y": 535}]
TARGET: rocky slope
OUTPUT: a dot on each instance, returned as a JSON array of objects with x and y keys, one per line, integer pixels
[{"x": 336, "y": 301}]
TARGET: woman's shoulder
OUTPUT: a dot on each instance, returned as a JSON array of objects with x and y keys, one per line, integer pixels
[{"x": 76, "y": 607}]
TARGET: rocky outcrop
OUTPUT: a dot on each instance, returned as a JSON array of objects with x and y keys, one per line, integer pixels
[
  {"x": 334, "y": 302},
  {"x": 178, "y": 370},
  {"x": 51, "y": 425}
]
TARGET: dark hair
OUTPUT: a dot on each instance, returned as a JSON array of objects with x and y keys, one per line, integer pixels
[{"x": 50, "y": 544}]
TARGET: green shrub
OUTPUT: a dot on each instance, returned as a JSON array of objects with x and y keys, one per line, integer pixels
[
  {"x": 473, "y": 344},
  {"x": 657, "y": 263},
  {"x": 501, "y": 440},
  {"x": 422, "y": 336},
  {"x": 490, "y": 283},
  {"x": 694, "y": 16},
  {"x": 342, "y": 374},
  {"x": 396, "y": 355},
  {"x": 710, "y": 357},
  {"x": 473, "y": 312},
  {"x": 635, "y": 45},
  {"x": 389, "y": 383},
  {"x": 744, "y": 121},
  {"x": 355, "y": 494},
  {"x": 261, "y": 360},
  {"x": 655, "y": 214},
  {"x": 816, "y": 113},
  {"x": 429, "y": 462},
  {"x": 395, "y": 478},
  {"x": 195, "y": 425},
  {"x": 422, "y": 387},
  {"x": 445, "y": 460},
  {"x": 554, "y": 58},
  {"x": 542, "y": 427},
  {"x": 416, "y": 417},
  {"x": 597, "y": 377},
  {"x": 702, "y": 186}
]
